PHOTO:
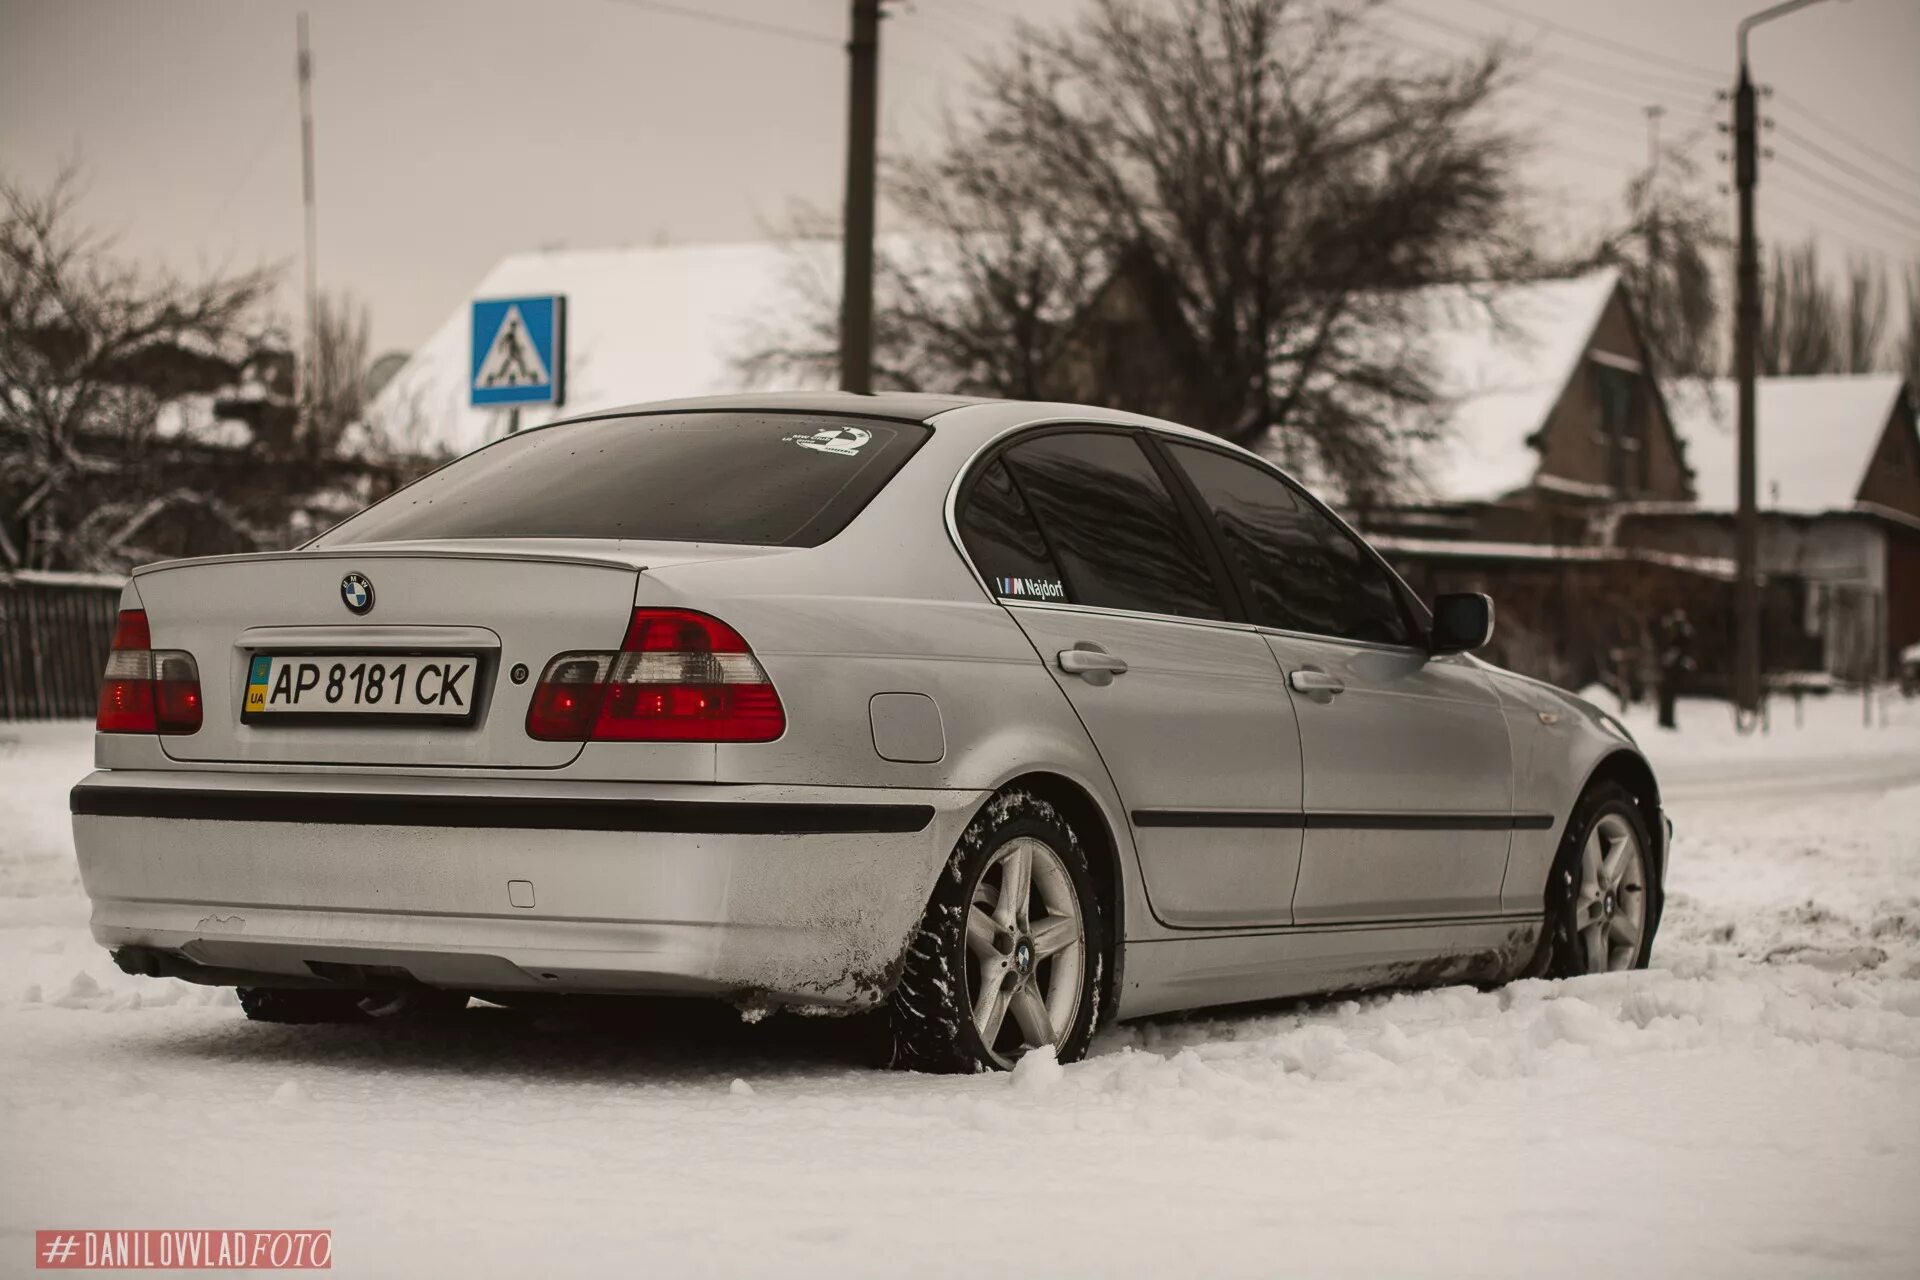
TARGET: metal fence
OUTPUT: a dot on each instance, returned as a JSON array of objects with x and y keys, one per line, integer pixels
[{"x": 55, "y": 630}]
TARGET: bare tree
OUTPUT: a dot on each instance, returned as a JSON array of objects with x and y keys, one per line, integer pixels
[
  {"x": 1666, "y": 252},
  {"x": 336, "y": 397},
  {"x": 1809, "y": 324},
  {"x": 1798, "y": 330},
  {"x": 1863, "y": 316},
  {"x": 93, "y": 355},
  {"x": 1213, "y": 209},
  {"x": 1908, "y": 354}
]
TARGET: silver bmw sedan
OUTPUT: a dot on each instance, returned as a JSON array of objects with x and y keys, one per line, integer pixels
[{"x": 1011, "y": 718}]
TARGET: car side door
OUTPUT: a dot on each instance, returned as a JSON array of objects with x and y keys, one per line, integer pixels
[
  {"x": 1079, "y": 533},
  {"x": 1408, "y": 794}
]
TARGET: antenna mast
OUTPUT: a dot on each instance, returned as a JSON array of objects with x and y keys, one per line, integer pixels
[{"x": 308, "y": 376}]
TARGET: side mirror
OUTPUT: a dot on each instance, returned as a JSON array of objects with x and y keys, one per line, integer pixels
[{"x": 1462, "y": 622}]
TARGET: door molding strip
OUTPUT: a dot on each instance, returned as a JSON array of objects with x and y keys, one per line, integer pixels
[{"x": 1294, "y": 819}]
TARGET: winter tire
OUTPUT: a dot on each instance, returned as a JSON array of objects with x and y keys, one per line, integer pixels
[
  {"x": 1603, "y": 896},
  {"x": 1011, "y": 952}
]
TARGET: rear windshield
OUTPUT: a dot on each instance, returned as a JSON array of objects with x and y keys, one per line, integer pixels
[{"x": 767, "y": 479}]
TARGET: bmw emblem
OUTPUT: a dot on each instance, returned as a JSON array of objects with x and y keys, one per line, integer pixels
[{"x": 356, "y": 593}]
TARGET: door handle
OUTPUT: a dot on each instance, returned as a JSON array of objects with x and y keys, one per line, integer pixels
[
  {"x": 1092, "y": 663},
  {"x": 1316, "y": 682}
]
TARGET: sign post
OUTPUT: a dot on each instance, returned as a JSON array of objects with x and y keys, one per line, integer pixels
[{"x": 519, "y": 354}]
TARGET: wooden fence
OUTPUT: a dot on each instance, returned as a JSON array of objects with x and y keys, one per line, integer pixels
[{"x": 55, "y": 630}]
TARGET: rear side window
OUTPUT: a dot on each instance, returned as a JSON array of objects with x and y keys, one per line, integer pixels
[
  {"x": 1005, "y": 541},
  {"x": 1111, "y": 525},
  {"x": 765, "y": 479},
  {"x": 1302, "y": 571}
]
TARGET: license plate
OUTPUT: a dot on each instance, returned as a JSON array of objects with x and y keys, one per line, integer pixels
[{"x": 308, "y": 686}]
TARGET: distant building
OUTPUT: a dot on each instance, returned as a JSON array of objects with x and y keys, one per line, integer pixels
[
  {"x": 1839, "y": 495},
  {"x": 1553, "y": 416},
  {"x": 1553, "y": 412}
]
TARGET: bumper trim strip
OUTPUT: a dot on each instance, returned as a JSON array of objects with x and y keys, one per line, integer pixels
[{"x": 687, "y": 817}]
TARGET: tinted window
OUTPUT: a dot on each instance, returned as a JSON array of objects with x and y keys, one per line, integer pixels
[
  {"x": 767, "y": 479},
  {"x": 1304, "y": 572},
  {"x": 1112, "y": 525},
  {"x": 1005, "y": 542}
]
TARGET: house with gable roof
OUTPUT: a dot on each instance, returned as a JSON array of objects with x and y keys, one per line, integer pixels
[
  {"x": 1573, "y": 483},
  {"x": 1553, "y": 410},
  {"x": 1553, "y": 415}
]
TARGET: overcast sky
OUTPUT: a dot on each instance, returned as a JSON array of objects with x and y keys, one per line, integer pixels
[{"x": 453, "y": 132}]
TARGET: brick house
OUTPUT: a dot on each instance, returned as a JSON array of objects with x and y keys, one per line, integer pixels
[{"x": 1553, "y": 411}]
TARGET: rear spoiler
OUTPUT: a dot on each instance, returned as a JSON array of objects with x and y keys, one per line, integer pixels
[{"x": 415, "y": 551}]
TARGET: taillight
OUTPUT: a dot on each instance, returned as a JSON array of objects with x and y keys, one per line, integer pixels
[
  {"x": 147, "y": 690},
  {"x": 680, "y": 676}
]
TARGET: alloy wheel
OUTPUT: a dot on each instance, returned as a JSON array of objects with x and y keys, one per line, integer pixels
[
  {"x": 1610, "y": 906},
  {"x": 1026, "y": 940}
]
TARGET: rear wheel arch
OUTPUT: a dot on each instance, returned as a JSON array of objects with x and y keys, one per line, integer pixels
[{"x": 1089, "y": 821}]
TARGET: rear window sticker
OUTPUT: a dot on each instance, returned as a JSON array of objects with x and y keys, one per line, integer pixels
[{"x": 845, "y": 442}]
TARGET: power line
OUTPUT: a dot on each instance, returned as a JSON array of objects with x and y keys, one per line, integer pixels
[
  {"x": 1855, "y": 200},
  {"x": 1816, "y": 221},
  {"x": 1555, "y": 98},
  {"x": 1536, "y": 82},
  {"x": 1845, "y": 166},
  {"x": 945, "y": 39},
  {"x": 1004, "y": 15},
  {"x": 738, "y": 24},
  {"x": 1554, "y": 95},
  {"x": 276, "y": 122},
  {"x": 1716, "y": 78},
  {"x": 1846, "y": 136},
  {"x": 957, "y": 22},
  {"x": 1835, "y": 211},
  {"x": 1627, "y": 168},
  {"x": 1608, "y": 73},
  {"x": 1841, "y": 136}
]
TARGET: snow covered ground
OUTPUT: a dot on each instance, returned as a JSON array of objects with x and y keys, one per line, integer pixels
[{"x": 1751, "y": 1107}]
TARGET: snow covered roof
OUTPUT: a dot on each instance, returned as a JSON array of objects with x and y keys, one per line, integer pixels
[
  {"x": 1816, "y": 436},
  {"x": 643, "y": 323},
  {"x": 1503, "y": 355}
]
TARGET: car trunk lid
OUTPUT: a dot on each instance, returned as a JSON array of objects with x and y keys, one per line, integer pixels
[{"x": 505, "y": 603}]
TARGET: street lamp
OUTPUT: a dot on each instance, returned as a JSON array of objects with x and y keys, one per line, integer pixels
[{"x": 1746, "y": 329}]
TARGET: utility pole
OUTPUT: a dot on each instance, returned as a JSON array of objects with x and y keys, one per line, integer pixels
[
  {"x": 1655, "y": 260},
  {"x": 863, "y": 113},
  {"x": 308, "y": 376},
  {"x": 1746, "y": 333}
]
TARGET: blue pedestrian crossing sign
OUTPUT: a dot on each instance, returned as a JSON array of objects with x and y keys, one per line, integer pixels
[{"x": 519, "y": 351}]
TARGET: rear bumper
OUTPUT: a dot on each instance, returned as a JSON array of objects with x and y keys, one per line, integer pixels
[{"x": 803, "y": 894}]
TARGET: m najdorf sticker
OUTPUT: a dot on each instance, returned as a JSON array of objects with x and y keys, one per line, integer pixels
[{"x": 1033, "y": 588}]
